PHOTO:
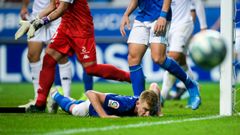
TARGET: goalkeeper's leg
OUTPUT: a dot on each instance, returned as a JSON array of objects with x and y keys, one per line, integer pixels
[
  {"x": 46, "y": 79},
  {"x": 65, "y": 70},
  {"x": 34, "y": 52}
]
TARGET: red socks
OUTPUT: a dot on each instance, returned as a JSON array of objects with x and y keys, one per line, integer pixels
[
  {"x": 46, "y": 79},
  {"x": 108, "y": 71}
]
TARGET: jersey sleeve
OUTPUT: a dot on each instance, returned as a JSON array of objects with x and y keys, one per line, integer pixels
[
  {"x": 192, "y": 6},
  {"x": 68, "y": 1},
  {"x": 200, "y": 11}
]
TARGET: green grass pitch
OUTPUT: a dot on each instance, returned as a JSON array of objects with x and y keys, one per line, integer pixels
[{"x": 177, "y": 119}]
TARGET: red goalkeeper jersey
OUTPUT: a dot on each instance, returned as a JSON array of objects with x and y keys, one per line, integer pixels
[{"x": 77, "y": 21}]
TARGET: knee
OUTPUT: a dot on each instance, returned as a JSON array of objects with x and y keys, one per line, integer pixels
[
  {"x": 63, "y": 60},
  {"x": 33, "y": 57},
  {"x": 133, "y": 60},
  {"x": 178, "y": 57},
  {"x": 158, "y": 59}
]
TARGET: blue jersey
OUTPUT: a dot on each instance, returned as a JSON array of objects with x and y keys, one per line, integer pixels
[
  {"x": 117, "y": 105},
  {"x": 237, "y": 15},
  {"x": 150, "y": 10}
]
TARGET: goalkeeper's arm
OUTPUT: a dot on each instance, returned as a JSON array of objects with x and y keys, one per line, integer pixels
[
  {"x": 52, "y": 12},
  {"x": 47, "y": 15},
  {"x": 24, "y": 10},
  {"x": 50, "y": 8}
]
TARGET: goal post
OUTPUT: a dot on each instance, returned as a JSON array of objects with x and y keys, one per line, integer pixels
[{"x": 226, "y": 68}]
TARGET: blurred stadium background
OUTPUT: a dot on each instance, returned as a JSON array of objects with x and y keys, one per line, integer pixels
[
  {"x": 16, "y": 87},
  {"x": 111, "y": 47}
]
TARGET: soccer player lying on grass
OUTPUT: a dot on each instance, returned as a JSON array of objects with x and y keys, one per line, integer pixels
[
  {"x": 74, "y": 35},
  {"x": 112, "y": 105}
]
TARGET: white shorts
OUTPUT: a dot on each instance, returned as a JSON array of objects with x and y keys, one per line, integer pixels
[
  {"x": 143, "y": 33},
  {"x": 46, "y": 32},
  {"x": 237, "y": 39},
  {"x": 179, "y": 36},
  {"x": 81, "y": 109}
]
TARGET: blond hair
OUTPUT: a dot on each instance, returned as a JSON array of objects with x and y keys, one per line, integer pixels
[{"x": 152, "y": 100}]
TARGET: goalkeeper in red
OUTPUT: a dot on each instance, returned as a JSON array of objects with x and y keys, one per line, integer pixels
[{"x": 74, "y": 35}]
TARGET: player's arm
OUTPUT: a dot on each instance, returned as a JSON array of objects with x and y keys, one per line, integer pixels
[
  {"x": 160, "y": 26},
  {"x": 58, "y": 12},
  {"x": 193, "y": 11},
  {"x": 43, "y": 20},
  {"x": 24, "y": 23},
  {"x": 50, "y": 8},
  {"x": 52, "y": 13},
  {"x": 154, "y": 87},
  {"x": 216, "y": 25},
  {"x": 200, "y": 12},
  {"x": 24, "y": 10},
  {"x": 97, "y": 99},
  {"x": 125, "y": 19}
]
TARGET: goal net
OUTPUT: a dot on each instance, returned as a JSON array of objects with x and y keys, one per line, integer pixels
[
  {"x": 230, "y": 68},
  {"x": 236, "y": 58}
]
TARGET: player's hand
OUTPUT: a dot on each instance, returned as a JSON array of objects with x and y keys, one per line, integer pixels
[
  {"x": 24, "y": 13},
  {"x": 160, "y": 26},
  {"x": 203, "y": 29},
  {"x": 125, "y": 21},
  {"x": 24, "y": 26},
  {"x": 36, "y": 24},
  {"x": 154, "y": 86}
]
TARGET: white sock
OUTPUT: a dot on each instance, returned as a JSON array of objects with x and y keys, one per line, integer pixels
[
  {"x": 35, "y": 72},
  {"x": 168, "y": 81},
  {"x": 189, "y": 72},
  {"x": 66, "y": 77}
]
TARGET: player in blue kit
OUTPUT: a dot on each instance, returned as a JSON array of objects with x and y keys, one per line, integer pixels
[
  {"x": 237, "y": 38},
  {"x": 112, "y": 105},
  {"x": 150, "y": 29}
]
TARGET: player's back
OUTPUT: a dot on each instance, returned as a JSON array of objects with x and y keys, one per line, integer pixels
[
  {"x": 78, "y": 20},
  {"x": 117, "y": 105}
]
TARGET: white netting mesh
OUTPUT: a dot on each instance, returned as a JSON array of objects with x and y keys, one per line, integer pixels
[{"x": 236, "y": 92}]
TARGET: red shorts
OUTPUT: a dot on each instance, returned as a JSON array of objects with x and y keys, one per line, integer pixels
[{"x": 85, "y": 48}]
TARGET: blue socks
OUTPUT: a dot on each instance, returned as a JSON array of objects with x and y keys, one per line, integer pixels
[
  {"x": 138, "y": 79},
  {"x": 88, "y": 81},
  {"x": 173, "y": 67},
  {"x": 63, "y": 102},
  {"x": 236, "y": 65},
  {"x": 57, "y": 79}
]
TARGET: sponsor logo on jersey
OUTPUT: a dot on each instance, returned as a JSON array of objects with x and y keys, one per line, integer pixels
[
  {"x": 113, "y": 104},
  {"x": 84, "y": 50},
  {"x": 85, "y": 56}
]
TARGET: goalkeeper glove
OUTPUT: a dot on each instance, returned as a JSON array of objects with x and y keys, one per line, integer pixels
[
  {"x": 36, "y": 24},
  {"x": 24, "y": 26}
]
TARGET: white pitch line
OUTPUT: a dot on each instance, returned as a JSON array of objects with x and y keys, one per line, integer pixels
[{"x": 141, "y": 124}]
